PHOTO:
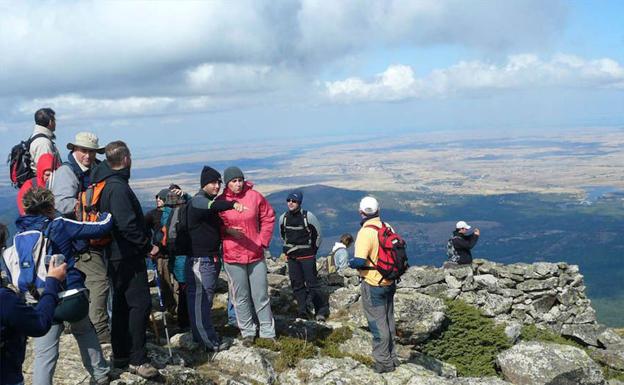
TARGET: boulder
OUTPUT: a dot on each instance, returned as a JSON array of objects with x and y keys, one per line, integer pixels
[
  {"x": 342, "y": 299},
  {"x": 512, "y": 331},
  {"x": 247, "y": 363},
  {"x": 487, "y": 282},
  {"x": 276, "y": 266},
  {"x": 184, "y": 341},
  {"x": 611, "y": 340},
  {"x": 493, "y": 304},
  {"x": 417, "y": 316},
  {"x": 179, "y": 375},
  {"x": 277, "y": 281},
  {"x": 614, "y": 359},
  {"x": 419, "y": 276},
  {"x": 458, "y": 271},
  {"x": 537, "y": 284},
  {"x": 586, "y": 334},
  {"x": 537, "y": 363}
]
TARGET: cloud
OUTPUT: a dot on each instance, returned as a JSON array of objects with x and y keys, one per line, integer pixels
[{"x": 399, "y": 82}]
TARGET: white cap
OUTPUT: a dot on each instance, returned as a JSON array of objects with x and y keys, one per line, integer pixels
[
  {"x": 462, "y": 225},
  {"x": 369, "y": 205}
]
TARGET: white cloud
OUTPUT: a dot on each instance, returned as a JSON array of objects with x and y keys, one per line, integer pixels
[{"x": 398, "y": 82}]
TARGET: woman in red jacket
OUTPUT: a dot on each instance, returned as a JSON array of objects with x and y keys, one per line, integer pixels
[
  {"x": 246, "y": 235},
  {"x": 45, "y": 166}
]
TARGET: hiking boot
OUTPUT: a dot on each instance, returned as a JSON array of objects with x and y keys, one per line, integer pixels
[
  {"x": 102, "y": 381},
  {"x": 248, "y": 341},
  {"x": 379, "y": 368},
  {"x": 320, "y": 318},
  {"x": 222, "y": 346},
  {"x": 145, "y": 370}
]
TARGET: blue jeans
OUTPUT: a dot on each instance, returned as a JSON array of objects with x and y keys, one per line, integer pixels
[
  {"x": 47, "y": 352},
  {"x": 201, "y": 277}
]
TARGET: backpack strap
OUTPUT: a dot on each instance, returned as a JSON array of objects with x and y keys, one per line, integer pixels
[
  {"x": 37, "y": 136},
  {"x": 32, "y": 289}
]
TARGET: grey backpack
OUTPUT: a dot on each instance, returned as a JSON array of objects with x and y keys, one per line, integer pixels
[{"x": 451, "y": 253}]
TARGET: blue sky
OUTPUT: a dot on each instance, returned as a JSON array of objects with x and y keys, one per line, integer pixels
[{"x": 180, "y": 72}]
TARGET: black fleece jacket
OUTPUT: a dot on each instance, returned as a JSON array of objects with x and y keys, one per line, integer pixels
[
  {"x": 204, "y": 223},
  {"x": 463, "y": 244},
  {"x": 131, "y": 238}
]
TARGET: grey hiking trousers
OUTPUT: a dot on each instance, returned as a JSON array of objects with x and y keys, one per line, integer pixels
[
  {"x": 378, "y": 305},
  {"x": 249, "y": 290},
  {"x": 92, "y": 263}
]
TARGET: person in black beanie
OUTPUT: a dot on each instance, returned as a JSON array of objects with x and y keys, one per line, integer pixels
[{"x": 203, "y": 263}]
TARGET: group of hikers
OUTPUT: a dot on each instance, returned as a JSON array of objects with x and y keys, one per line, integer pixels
[{"x": 82, "y": 236}]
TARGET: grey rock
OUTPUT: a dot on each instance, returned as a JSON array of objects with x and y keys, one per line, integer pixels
[
  {"x": 586, "y": 334},
  {"x": 459, "y": 271},
  {"x": 494, "y": 304},
  {"x": 129, "y": 379},
  {"x": 611, "y": 340},
  {"x": 342, "y": 299},
  {"x": 537, "y": 284},
  {"x": 452, "y": 293},
  {"x": 277, "y": 281},
  {"x": 184, "y": 341},
  {"x": 536, "y": 363},
  {"x": 335, "y": 279},
  {"x": 179, "y": 375},
  {"x": 512, "y": 331},
  {"x": 452, "y": 282},
  {"x": 479, "y": 381},
  {"x": 248, "y": 363},
  {"x": 277, "y": 266},
  {"x": 487, "y": 282},
  {"x": 417, "y": 316},
  {"x": 440, "y": 368},
  {"x": 436, "y": 290},
  {"x": 419, "y": 276},
  {"x": 614, "y": 359},
  {"x": 543, "y": 304},
  {"x": 545, "y": 269},
  {"x": 587, "y": 315}
]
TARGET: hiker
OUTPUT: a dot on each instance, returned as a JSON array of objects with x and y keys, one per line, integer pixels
[
  {"x": 42, "y": 138},
  {"x": 202, "y": 268},
  {"x": 155, "y": 220},
  {"x": 45, "y": 167},
  {"x": 340, "y": 254},
  {"x": 377, "y": 293},
  {"x": 246, "y": 235},
  {"x": 301, "y": 233},
  {"x": 61, "y": 233},
  {"x": 67, "y": 183},
  {"x": 19, "y": 320},
  {"x": 127, "y": 271},
  {"x": 460, "y": 244}
]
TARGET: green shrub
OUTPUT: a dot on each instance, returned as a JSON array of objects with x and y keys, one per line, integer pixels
[
  {"x": 470, "y": 341},
  {"x": 533, "y": 333},
  {"x": 291, "y": 351}
]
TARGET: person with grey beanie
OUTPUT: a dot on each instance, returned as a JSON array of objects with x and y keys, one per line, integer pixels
[{"x": 247, "y": 235}]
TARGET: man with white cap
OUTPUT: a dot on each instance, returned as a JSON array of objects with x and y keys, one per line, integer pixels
[
  {"x": 377, "y": 293},
  {"x": 72, "y": 178},
  {"x": 458, "y": 247}
]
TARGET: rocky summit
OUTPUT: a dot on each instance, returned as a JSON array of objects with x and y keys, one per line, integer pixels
[{"x": 550, "y": 331}]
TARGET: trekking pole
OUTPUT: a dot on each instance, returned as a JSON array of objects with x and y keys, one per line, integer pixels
[{"x": 162, "y": 312}]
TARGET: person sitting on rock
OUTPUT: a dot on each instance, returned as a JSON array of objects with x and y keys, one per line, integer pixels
[
  {"x": 339, "y": 257},
  {"x": 377, "y": 293},
  {"x": 460, "y": 244}
]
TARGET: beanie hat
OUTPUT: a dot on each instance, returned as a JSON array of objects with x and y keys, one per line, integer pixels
[
  {"x": 208, "y": 175},
  {"x": 162, "y": 194},
  {"x": 232, "y": 173},
  {"x": 296, "y": 195}
]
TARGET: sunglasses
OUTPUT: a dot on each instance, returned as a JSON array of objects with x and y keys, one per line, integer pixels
[{"x": 291, "y": 201}]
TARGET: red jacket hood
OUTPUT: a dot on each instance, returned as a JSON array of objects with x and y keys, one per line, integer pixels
[{"x": 46, "y": 162}]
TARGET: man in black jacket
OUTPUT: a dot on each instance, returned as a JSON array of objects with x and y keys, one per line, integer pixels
[
  {"x": 301, "y": 233},
  {"x": 126, "y": 256},
  {"x": 462, "y": 241},
  {"x": 202, "y": 267}
]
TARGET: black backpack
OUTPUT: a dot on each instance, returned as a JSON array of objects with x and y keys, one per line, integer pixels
[
  {"x": 19, "y": 162},
  {"x": 178, "y": 232}
]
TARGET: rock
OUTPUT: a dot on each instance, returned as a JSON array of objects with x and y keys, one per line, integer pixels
[
  {"x": 452, "y": 293},
  {"x": 611, "y": 340},
  {"x": 418, "y": 276},
  {"x": 459, "y": 271},
  {"x": 303, "y": 329},
  {"x": 536, "y": 363},
  {"x": 494, "y": 304},
  {"x": 179, "y": 375},
  {"x": 335, "y": 279},
  {"x": 247, "y": 363},
  {"x": 512, "y": 331},
  {"x": 129, "y": 379},
  {"x": 545, "y": 269},
  {"x": 278, "y": 281},
  {"x": 586, "y": 334},
  {"x": 487, "y": 282},
  {"x": 479, "y": 381},
  {"x": 568, "y": 296},
  {"x": 342, "y": 299},
  {"x": 452, "y": 282},
  {"x": 537, "y": 284},
  {"x": 586, "y": 316},
  {"x": 277, "y": 266},
  {"x": 614, "y": 359},
  {"x": 440, "y": 368},
  {"x": 436, "y": 290},
  {"x": 417, "y": 316},
  {"x": 184, "y": 341},
  {"x": 543, "y": 304}
]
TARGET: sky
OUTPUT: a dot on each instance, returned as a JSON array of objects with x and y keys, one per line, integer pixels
[{"x": 154, "y": 73}]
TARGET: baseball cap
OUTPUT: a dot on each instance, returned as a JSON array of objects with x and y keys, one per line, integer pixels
[
  {"x": 462, "y": 225},
  {"x": 369, "y": 205}
]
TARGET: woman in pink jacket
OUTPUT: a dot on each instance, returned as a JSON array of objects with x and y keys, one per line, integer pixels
[{"x": 246, "y": 236}]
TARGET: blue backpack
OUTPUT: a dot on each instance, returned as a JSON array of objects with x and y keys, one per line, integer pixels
[{"x": 24, "y": 262}]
